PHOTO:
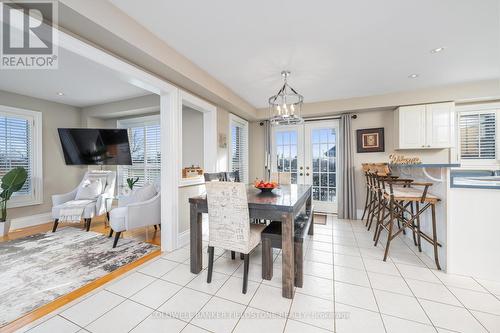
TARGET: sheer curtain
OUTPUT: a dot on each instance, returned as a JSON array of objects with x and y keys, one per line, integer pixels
[{"x": 346, "y": 188}]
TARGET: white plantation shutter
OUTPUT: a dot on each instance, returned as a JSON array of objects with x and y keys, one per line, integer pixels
[
  {"x": 144, "y": 138},
  {"x": 18, "y": 149},
  {"x": 238, "y": 161},
  {"x": 478, "y": 135}
]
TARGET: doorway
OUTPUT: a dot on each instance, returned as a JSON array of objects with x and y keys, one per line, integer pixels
[{"x": 309, "y": 153}]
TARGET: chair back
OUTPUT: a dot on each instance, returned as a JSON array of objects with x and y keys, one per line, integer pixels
[
  {"x": 228, "y": 216},
  {"x": 282, "y": 178},
  {"x": 233, "y": 176},
  {"x": 107, "y": 177},
  {"x": 214, "y": 177}
]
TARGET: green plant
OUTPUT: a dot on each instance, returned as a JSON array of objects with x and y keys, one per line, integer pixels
[
  {"x": 11, "y": 182},
  {"x": 131, "y": 182}
]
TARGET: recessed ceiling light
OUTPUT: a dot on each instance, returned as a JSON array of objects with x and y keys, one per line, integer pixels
[
  {"x": 413, "y": 76},
  {"x": 60, "y": 94},
  {"x": 437, "y": 50}
]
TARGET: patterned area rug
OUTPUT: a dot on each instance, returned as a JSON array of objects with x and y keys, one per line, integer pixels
[{"x": 37, "y": 269}]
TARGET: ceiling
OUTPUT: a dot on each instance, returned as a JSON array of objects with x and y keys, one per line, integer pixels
[
  {"x": 335, "y": 49},
  {"x": 83, "y": 82}
]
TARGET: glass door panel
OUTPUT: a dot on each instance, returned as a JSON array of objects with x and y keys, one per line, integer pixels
[
  {"x": 320, "y": 156},
  {"x": 287, "y": 149}
]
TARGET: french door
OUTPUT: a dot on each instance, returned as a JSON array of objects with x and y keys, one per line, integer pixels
[{"x": 309, "y": 153}]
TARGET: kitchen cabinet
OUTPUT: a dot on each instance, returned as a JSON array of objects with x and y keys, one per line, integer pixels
[{"x": 426, "y": 126}]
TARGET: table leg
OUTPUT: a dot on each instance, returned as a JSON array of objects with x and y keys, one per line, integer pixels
[
  {"x": 195, "y": 235},
  {"x": 288, "y": 267}
]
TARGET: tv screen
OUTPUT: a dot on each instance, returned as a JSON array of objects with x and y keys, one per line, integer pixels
[{"x": 93, "y": 146}]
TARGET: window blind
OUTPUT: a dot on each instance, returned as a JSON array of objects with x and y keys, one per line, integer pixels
[
  {"x": 16, "y": 148},
  {"x": 239, "y": 149},
  {"x": 478, "y": 135},
  {"x": 146, "y": 154}
]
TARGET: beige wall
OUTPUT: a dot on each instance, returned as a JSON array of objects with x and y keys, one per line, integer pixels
[
  {"x": 192, "y": 137},
  {"x": 57, "y": 176},
  {"x": 222, "y": 128}
]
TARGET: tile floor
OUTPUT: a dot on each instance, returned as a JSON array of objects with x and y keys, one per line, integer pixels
[{"x": 345, "y": 276}]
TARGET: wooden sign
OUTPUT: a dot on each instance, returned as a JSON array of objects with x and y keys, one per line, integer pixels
[{"x": 401, "y": 159}]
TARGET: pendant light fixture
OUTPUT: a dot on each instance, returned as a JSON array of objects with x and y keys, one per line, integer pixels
[{"x": 285, "y": 107}]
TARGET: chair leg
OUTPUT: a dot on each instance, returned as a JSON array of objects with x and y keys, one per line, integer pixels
[
  {"x": 110, "y": 233},
  {"x": 117, "y": 237},
  {"x": 107, "y": 216},
  {"x": 242, "y": 256},
  {"x": 267, "y": 259},
  {"x": 87, "y": 223},
  {"x": 156, "y": 228},
  {"x": 56, "y": 222},
  {"x": 233, "y": 255},
  {"x": 366, "y": 204},
  {"x": 419, "y": 238},
  {"x": 413, "y": 224},
  {"x": 245, "y": 272},
  {"x": 210, "y": 263},
  {"x": 434, "y": 236},
  {"x": 389, "y": 234}
]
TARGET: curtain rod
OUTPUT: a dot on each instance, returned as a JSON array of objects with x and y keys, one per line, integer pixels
[{"x": 354, "y": 116}]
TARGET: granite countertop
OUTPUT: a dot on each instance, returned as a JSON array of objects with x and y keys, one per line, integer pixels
[{"x": 426, "y": 165}]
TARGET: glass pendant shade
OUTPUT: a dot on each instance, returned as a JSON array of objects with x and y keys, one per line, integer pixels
[{"x": 285, "y": 107}]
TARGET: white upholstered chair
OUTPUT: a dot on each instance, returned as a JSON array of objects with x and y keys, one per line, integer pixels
[
  {"x": 96, "y": 207},
  {"x": 282, "y": 178},
  {"x": 229, "y": 224},
  {"x": 141, "y": 208}
]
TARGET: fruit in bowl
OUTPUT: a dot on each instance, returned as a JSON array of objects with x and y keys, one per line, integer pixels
[{"x": 265, "y": 186}]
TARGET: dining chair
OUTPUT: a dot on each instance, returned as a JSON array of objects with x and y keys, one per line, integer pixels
[
  {"x": 233, "y": 176},
  {"x": 229, "y": 226},
  {"x": 282, "y": 178},
  {"x": 214, "y": 177}
]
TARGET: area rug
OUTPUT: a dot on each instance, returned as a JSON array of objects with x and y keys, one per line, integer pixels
[{"x": 37, "y": 269}]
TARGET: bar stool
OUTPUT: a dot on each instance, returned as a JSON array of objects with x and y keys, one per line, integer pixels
[{"x": 399, "y": 201}]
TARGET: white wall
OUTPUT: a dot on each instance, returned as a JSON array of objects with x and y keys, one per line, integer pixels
[
  {"x": 57, "y": 176},
  {"x": 192, "y": 137}
]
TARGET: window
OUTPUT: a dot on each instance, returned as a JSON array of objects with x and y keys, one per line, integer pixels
[
  {"x": 20, "y": 146},
  {"x": 478, "y": 136},
  {"x": 238, "y": 161},
  {"x": 144, "y": 138}
]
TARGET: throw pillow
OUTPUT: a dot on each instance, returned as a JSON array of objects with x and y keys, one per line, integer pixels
[{"x": 89, "y": 190}]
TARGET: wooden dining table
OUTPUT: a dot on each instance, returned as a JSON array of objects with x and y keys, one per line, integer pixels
[{"x": 283, "y": 205}]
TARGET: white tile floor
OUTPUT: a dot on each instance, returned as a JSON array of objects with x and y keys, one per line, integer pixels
[{"x": 344, "y": 275}]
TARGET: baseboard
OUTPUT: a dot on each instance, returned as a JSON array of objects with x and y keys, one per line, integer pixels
[
  {"x": 28, "y": 221},
  {"x": 183, "y": 239}
]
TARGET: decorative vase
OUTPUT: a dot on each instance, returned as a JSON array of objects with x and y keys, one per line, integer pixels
[{"x": 4, "y": 228}]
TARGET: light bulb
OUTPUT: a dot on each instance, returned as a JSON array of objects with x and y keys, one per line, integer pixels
[
  {"x": 292, "y": 108},
  {"x": 278, "y": 108}
]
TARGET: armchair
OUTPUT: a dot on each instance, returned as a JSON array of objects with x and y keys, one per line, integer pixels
[
  {"x": 136, "y": 211},
  {"x": 102, "y": 204}
]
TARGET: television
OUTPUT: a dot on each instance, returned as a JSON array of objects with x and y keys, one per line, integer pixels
[{"x": 94, "y": 146}]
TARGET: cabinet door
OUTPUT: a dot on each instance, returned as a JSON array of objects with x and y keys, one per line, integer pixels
[
  {"x": 412, "y": 127},
  {"x": 440, "y": 122}
]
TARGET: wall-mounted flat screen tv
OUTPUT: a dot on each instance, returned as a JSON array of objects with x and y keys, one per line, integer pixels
[{"x": 93, "y": 146}]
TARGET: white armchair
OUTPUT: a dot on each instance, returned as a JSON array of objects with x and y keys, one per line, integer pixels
[
  {"x": 102, "y": 204},
  {"x": 141, "y": 208}
]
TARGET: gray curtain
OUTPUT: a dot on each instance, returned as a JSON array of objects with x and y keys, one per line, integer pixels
[
  {"x": 267, "y": 149},
  {"x": 346, "y": 196}
]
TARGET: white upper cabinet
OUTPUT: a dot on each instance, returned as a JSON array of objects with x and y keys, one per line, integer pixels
[{"x": 425, "y": 126}]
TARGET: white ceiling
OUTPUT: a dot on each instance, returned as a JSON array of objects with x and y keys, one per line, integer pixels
[
  {"x": 83, "y": 82},
  {"x": 335, "y": 49}
]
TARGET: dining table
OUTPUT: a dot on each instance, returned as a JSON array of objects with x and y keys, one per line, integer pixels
[{"x": 282, "y": 204}]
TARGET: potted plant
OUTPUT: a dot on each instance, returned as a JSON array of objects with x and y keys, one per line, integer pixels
[
  {"x": 131, "y": 182},
  {"x": 11, "y": 182}
]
